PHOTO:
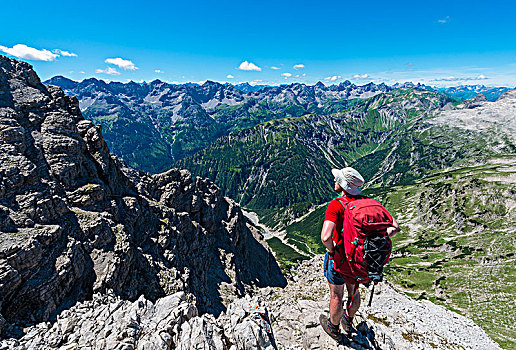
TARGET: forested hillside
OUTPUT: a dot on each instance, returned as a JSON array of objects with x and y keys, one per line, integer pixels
[
  {"x": 152, "y": 125},
  {"x": 458, "y": 238},
  {"x": 288, "y": 161}
]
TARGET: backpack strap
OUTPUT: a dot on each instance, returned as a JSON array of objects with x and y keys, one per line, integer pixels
[
  {"x": 371, "y": 296},
  {"x": 341, "y": 232},
  {"x": 350, "y": 298},
  {"x": 342, "y": 203}
]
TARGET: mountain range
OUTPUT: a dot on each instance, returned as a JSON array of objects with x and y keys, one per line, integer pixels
[
  {"x": 75, "y": 220},
  {"x": 153, "y": 125},
  {"x": 167, "y": 260}
]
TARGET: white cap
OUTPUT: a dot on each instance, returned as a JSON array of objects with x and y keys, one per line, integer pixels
[{"x": 349, "y": 179}]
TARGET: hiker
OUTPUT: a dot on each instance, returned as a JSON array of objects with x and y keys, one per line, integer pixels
[{"x": 347, "y": 183}]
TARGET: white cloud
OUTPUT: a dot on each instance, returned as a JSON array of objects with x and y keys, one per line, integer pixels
[
  {"x": 275, "y": 68},
  {"x": 121, "y": 63},
  {"x": 29, "y": 53},
  {"x": 298, "y": 66},
  {"x": 333, "y": 78},
  {"x": 229, "y": 76},
  {"x": 82, "y": 72},
  {"x": 450, "y": 78},
  {"x": 361, "y": 76},
  {"x": 158, "y": 71},
  {"x": 444, "y": 20},
  {"x": 109, "y": 70},
  {"x": 255, "y": 82},
  {"x": 64, "y": 53},
  {"x": 300, "y": 75},
  {"x": 286, "y": 75},
  {"x": 453, "y": 78},
  {"x": 249, "y": 66}
]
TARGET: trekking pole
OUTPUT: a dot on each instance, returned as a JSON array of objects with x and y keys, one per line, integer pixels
[{"x": 371, "y": 296}]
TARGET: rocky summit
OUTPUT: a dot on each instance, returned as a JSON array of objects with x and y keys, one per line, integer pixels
[
  {"x": 97, "y": 255},
  {"x": 277, "y": 318},
  {"x": 74, "y": 220}
]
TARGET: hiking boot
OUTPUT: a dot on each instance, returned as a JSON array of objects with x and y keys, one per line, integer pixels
[
  {"x": 346, "y": 323},
  {"x": 329, "y": 328}
]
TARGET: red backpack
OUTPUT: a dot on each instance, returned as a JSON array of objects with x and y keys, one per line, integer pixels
[{"x": 363, "y": 243}]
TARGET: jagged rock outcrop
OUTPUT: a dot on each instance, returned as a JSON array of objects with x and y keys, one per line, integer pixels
[
  {"x": 278, "y": 319},
  {"x": 476, "y": 101},
  {"x": 75, "y": 220},
  {"x": 172, "y": 322},
  {"x": 394, "y": 321}
]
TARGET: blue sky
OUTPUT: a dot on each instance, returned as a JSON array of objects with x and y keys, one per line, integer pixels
[{"x": 266, "y": 42}]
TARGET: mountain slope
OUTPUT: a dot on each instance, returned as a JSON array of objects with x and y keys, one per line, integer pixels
[
  {"x": 151, "y": 125},
  {"x": 75, "y": 220},
  {"x": 275, "y": 163},
  {"x": 458, "y": 244}
]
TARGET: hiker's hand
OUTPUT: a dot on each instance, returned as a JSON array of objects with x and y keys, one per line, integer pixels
[
  {"x": 395, "y": 228},
  {"x": 331, "y": 253}
]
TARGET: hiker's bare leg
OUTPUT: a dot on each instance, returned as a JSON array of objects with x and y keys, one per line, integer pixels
[
  {"x": 336, "y": 310},
  {"x": 355, "y": 304}
]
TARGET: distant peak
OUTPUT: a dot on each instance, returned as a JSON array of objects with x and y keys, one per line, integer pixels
[
  {"x": 156, "y": 82},
  {"x": 61, "y": 81},
  {"x": 510, "y": 94},
  {"x": 210, "y": 82}
]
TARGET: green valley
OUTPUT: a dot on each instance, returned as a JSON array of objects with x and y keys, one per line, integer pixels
[{"x": 447, "y": 173}]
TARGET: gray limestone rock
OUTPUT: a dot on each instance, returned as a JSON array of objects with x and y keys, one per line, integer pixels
[
  {"x": 476, "y": 101},
  {"x": 75, "y": 220},
  {"x": 281, "y": 318},
  {"x": 394, "y": 320}
]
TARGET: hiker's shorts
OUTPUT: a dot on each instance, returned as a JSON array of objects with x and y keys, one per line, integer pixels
[{"x": 333, "y": 276}]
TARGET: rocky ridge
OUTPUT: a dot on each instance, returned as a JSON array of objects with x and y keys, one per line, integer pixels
[
  {"x": 479, "y": 115},
  {"x": 74, "y": 220},
  {"x": 152, "y": 125},
  {"x": 212, "y": 94},
  {"x": 277, "y": 319}
]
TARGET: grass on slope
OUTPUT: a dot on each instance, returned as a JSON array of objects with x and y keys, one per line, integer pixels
[
  {"x": 286, "y": 256},
  {"x": 457, "y": 246},
  {"x": 306, "y": 233},
  {"x": 458, "y": 243}
]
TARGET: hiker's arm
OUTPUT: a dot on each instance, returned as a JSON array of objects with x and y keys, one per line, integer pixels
[
  {"x": 395, "y": 228},
  {"x": 326, "y": 235}
]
